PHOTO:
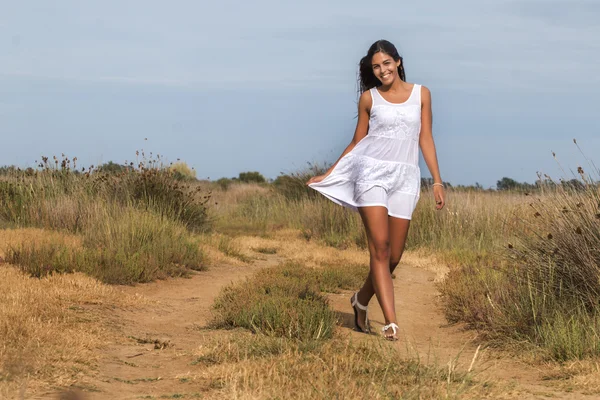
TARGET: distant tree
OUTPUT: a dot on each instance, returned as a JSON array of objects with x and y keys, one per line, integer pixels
[
  {"x": 294, "y": 186},
  {"x": 224, "y": 183},
  {"x": 8, "y": 169},
  {"x": 507, "y": 184},
  {"x": 251, "y": 176},
  {"x": 574, "y": 184},
  {"x": 112, "y": 168},
  {"x": 510, "y": 184},
  {"x": 547, "y": 182},
  {"x": 428, "y": 182}
]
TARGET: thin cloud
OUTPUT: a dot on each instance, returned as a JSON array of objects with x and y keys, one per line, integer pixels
[
  {"x": 567, "y": 13},
  {"x": 474, "y": 43}
]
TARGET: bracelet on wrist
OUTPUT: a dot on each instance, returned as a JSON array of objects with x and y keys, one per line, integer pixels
[{"x": 438, "y": 184}]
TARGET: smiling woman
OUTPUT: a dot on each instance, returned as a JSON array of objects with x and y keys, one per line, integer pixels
[{"x": 378, "y": 174}]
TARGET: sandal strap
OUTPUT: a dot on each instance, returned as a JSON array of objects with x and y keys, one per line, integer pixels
[
  {"x": 356, "y": 303},
  {"x": 391, "y": 325}
]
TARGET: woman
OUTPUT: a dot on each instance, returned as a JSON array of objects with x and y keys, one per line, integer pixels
[{"x": 378, "y": 175}]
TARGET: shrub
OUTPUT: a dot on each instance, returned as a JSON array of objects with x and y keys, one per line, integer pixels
[
  {"x": 293, "y": 186},
  {"x": 113, "y": 168},
  {"x": 27, "y": 200},
  {"x": 134, "y": 221},
  {"x": 159, "y": 191},
  {"x": 8, "y": 170},
  {"x": 224, "y": 183},
  {"x": 123, "y": 248},
  {"x": 251, "y": 176},
  {"x": 546, "y": 290},
  {"x": 182, "y": 171},
  {"x": 275, "y": 303}
]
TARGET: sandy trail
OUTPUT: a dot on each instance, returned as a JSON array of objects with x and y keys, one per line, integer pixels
[
  {"x": 172, "y": 329},
  {"x": 425, "y": 333}
]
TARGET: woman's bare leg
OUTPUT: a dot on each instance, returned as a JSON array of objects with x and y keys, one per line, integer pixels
[
  {"x": 398, "y": 231},
  {"x": 376, "y": 224}
]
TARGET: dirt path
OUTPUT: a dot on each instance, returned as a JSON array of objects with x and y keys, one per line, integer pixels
[
  {"x": 425, "y": 333},
  {"x": 155, "y": 357}
]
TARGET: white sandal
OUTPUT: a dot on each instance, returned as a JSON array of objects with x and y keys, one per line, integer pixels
[
  {"x": 355, "y": 303},
  {"x": 394, "y": 327}
]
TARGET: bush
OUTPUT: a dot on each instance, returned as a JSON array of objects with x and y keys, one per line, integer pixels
[
  {"x": 29, "y": 200},
  {"x": 124, "y": 248},
  {"x": 113, "y": 168},
  {"x": 158, "y": 190},
  {"x": 557, "y": 244},
  {"x": 293, "y": 186},
  {"x": 8, "y": 170},
  {"x": 546, "y": 290},
  {"x": 182, "y": 171},
  {"x": 253, "y": 176},
  {"x": 134, "y": 221},
  {"x": 275, "y": 303},
  {"x": 224, "y": 183}
]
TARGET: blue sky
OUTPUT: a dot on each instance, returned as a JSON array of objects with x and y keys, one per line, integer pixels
[{"x": 232, "y": 86}]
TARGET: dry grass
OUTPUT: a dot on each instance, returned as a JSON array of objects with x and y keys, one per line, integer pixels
[
  {"x": 126, "y": 245},
  {"x": 538, "y": 292},
  {"x": 50, "y": 329},
  {"x": 134, "y": 224},
  {"x": 246, "y": 366},
  {"x": 543, "y": 290},
  {"x": 472, "y": 223},
  {"x": 291, "y": 244},
  {"x": 27, "y": 236},
  {"x": 216, "y": 246}
]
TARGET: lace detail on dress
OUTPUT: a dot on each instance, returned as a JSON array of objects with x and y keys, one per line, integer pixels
[
  {"x": 367, "y": 172},
  {"x": 395, "y": 122}
]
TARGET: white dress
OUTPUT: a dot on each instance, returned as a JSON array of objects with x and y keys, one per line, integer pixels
[{"x": 383, "y": 168}]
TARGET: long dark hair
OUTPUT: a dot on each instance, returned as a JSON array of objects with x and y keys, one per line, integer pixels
[{"x": 366, "y": 78}]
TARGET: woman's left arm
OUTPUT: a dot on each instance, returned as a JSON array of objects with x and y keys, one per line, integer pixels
[{"x": 428, "y": 147}]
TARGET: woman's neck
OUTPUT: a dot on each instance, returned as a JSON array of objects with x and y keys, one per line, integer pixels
[{"x": 397, "y": 85}]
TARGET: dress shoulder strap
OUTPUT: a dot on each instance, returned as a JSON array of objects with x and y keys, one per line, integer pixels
[
  {"x": 416, "y": 95},
  {"x": 377, "y": 98}
]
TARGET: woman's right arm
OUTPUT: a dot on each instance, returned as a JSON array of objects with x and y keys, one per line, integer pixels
[{"x": 362, "y": 128}]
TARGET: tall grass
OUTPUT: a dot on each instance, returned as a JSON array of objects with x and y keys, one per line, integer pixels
[
  {"x": 135, "y": 223},
  {"x": 125, "y": 246},
  {"x": 525, "y": 267},
  {"x": 472, "y": 223},
  {"x": 547, "y": 289},
  {"x": 58, "y": 197}
]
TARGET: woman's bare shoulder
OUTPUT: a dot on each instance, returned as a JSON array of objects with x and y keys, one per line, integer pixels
[{"x": 366, "y": 100}]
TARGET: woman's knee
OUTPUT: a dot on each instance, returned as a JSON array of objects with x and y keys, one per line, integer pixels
[{"x": 381, "y": 250}]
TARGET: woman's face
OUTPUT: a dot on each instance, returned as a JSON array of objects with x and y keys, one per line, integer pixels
[{"x": 385, "y": 68}]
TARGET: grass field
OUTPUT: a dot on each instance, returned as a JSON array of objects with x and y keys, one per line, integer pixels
[{"x": 523, "y": 271}]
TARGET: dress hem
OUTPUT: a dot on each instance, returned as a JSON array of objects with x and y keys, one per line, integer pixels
[
  {"x": 361, "y": 182},
  {"x": 354, "y": 206}
]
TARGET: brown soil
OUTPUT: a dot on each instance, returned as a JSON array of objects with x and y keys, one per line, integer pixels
[{"x": 156, "y": 353}]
